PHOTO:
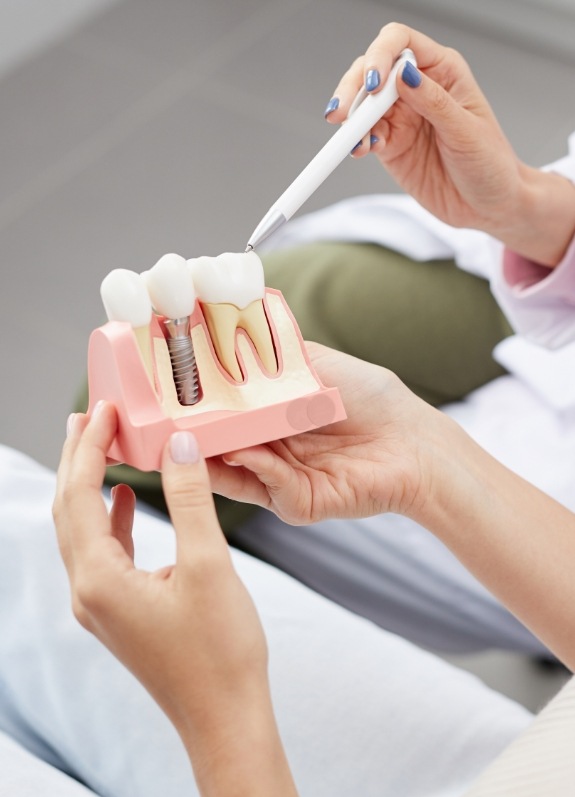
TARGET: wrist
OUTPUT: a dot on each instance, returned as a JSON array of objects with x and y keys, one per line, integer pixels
[
  {"x": 467, "y": 500},
  {"x": 542, "y": 224},
  {"x": 416, "y": 488},
  {"x": 234, "y": 747},
  {"x": 449, "y": 482}
]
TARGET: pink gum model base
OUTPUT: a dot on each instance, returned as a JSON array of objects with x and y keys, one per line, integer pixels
[{"x": 116, "y": 373}]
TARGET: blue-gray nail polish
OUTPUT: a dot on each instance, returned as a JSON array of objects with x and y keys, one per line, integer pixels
[
  {"x": 372, "y": 80},
  {"x": 373, "y": 140},
  {"x": 359, "y": 143},
  {"x": 332, "y": 105},
  {"x": 410, "y": 75}
]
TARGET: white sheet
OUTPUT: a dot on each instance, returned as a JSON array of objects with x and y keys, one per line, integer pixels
[
  {"x": 25, "y": 775},
  {"x": 356, "y": 705}
]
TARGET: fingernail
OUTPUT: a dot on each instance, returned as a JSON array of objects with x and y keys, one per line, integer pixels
[
  {"x": 113, "y": 492},
  {"x": 359, "y": 143},
  {"x": 373, "y": 140},
  {"x": 70, "y": 423},
  {"x": 410, "y": 75},
  {"x": 98, "y": 408},
  {"x": 231, "y": 463},
  {"x": 184, "y": 448},
  {"x": 372, "y": 80},
  {"x": 332, "y": 105}
]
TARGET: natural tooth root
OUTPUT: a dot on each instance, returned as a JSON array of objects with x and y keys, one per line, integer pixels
[
  {"x": 224, "y": 320},
  {"x": 253, "y": 319}
]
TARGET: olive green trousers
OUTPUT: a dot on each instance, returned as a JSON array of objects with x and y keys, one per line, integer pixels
[{"x": 432, "y": 324}]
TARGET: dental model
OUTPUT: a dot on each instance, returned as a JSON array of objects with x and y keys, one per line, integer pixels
[
  {"x": 125, "y": 298},
  {"x": 173, "y": 296},
  {"x": 231, "y": 289},
  {"x": 202, "y": 345}
]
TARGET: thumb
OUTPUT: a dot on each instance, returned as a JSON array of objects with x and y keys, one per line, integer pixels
[{"x": 188, "y": 495}]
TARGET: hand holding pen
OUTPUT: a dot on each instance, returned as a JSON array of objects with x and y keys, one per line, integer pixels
[{"x": 440, "y": 142}]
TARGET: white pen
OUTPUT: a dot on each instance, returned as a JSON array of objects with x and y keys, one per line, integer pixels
[{"x": 365, "y": 112}]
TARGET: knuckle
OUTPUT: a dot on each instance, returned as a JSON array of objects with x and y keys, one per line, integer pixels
[
  {"x": 209, "y": 568},
  {"x": 81, "y": 613},
  {"x": 68, "y": 497},
  {"x": 395, "y": 29},
  {"x": 88, "y": 600},
  {"x": 349, "y": 76},
  {"x": 188, "y": 495},
  {"x": 453, "y": 56},
  {"x": 440, "y": 100},
  {"x": 207, "y": 562}
]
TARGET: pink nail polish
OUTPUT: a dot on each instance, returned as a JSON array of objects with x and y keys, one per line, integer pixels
[
  {"x": 98, "y": 408},
  {"x": 184, "y": 448},
  {"x": 70, "y": 423}
]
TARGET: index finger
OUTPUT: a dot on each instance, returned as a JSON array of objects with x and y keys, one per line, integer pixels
[
  {"x": 78, "y": 507},
  {"x": 85, "y": 450},
  {"x": 386, "y": 48}
]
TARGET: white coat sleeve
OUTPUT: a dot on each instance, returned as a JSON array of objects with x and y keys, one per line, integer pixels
[{"x": 539, "y": 302}]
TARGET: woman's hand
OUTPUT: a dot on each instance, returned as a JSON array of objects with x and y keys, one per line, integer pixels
[
  {"x": 396, "y": 453},
  {"x": 378, "y": 460},
  {"x": 189, "y": 632},
  {"x": 443, "y": 145}
]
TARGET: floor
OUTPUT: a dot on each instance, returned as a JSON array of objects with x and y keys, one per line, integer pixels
[{"x": 131, "y": 128}]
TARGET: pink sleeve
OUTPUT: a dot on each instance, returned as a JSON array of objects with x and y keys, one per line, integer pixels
[{"x": 539, "y": 302}]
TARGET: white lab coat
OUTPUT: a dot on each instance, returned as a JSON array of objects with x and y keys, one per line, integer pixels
[{"x": 539, "y": 303}]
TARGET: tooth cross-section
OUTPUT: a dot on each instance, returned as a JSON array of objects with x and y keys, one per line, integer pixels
[
  {"x": 231, "y": 289},
  {"x": 224, "y": 320}
]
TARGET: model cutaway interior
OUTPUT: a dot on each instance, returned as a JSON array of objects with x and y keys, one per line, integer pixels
[{"x": 201, "y": 344}]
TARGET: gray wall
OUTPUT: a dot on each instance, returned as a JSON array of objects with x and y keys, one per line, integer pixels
[{"x": 548, "y": 26}]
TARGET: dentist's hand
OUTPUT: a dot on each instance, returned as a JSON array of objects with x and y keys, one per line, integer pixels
[
  {"x": 189, "y": 632},
  {"x": 378, "y": 460},
  {"x": 443, "y": 145}
]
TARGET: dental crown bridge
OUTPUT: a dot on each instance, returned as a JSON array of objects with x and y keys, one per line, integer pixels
[{"x": 202, "y": 345}]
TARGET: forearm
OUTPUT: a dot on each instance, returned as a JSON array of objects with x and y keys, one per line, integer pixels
[
  {"x": 236, "y": 751},
  {"x": 542, "y": 224},
  {"x": 515, "y": 539}
]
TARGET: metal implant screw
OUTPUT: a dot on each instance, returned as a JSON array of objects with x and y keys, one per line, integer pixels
[{"x": 183, "y": 360}]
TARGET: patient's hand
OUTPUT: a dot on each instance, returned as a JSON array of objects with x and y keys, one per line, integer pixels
[
  {"x": 189, "y": 632},
  {"x": 377, "y": 460}
]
